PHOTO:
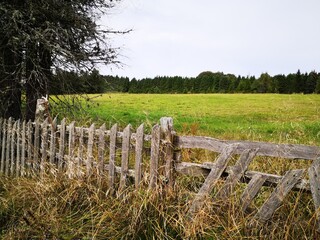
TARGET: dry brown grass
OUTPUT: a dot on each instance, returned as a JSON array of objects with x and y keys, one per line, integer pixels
[{"x": 55, "y": 207}]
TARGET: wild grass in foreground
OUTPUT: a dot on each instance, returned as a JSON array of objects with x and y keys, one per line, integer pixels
[
  {"x": 55, "y": 207},
  {"x": 259, "y": 117}
]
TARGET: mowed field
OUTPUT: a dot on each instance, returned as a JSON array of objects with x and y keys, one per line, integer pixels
[{"x": 255, "y": 117}]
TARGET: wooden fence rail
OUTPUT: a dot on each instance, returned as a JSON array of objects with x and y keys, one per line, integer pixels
[{"x": 114, "y": 156}]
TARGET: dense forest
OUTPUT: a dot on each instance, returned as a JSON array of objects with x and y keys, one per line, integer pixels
[{"x": 205, "y": 82}]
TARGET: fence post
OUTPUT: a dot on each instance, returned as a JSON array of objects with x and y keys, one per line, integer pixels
[
  {"x": 154, "y": 159},
  {"x": 167, "y": 133},
  {"x": 112, "y": 157},
  {"x": 125, "y": 151},
  {"x": 138, "y": 155},
  {"x": 8, "y": 144},
  {"x": 3, "y": 147},
  {"x": 41, "y": 109}
]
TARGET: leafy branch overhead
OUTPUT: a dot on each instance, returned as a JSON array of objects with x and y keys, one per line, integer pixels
[{"x": 38, "y": 36}]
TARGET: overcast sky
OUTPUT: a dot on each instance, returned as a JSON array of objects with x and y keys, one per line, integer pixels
[{"x": 186, "y": 37}]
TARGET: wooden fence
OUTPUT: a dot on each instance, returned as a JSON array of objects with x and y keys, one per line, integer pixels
[{"x": 34, "y": 147}]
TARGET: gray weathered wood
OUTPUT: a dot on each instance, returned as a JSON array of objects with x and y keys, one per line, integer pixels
[
  {"x": 314, "y": 176},
  {"x": 80, "y": 153},
  {"x": 251, "y": 190},
  {"x": 44, "y": 145},
  {"x": 9, "y": 135},
  {"x": 216, "y": 170},
  {"x": 147, "y": 137},
  {"x": 291, "y": 151},
  {"x": 30, "y": 148},
  {"x": 36, "y": 146},
  {"x": 237, "y": 171},
  {"x": 13, "y": 148},
  {"x": 125, "y": 157},
  {"x": 18, "y": 149},
  {"x": 23, "y": 150},
  {"x": 208, "y": 143},
  {"x": 3, "y": 145},
  {"x": 62, "y": 144},
  {"x": 203, "y": 170},
  {"x": 112, "y": 155},
  {"x": 154, "y": 160},
  {"x": 71, "y": 149},
  {"x": 277, "y": 196},
  {"x": 138, "y": 155},
  {"x": 166, "y": 124},
  {"x": 41, "y": 109},
  {"x": 89, "y": 162},
  {"x": 101, "y": 151},
  {"x": 53, "y": 136}
]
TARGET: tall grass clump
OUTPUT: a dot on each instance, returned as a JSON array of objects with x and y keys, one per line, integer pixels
[{"x": 56, "y": 207}]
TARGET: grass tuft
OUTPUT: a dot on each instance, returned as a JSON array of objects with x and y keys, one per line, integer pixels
[{"x": 56, "y": 207}]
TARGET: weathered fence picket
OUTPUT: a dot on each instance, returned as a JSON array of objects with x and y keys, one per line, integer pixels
[
  {"x": 71, "y": 145},
  {"x": 138, "y": 155},
  {"x": 28, "y": 148},
  {"x": 29, "y": 142},
  {"x": 23, "y": 149},
  {"x": 101, "y": 152},
  {"x": 36, "y": 146},
  {"x": 112, "y": 159},
  {"x": 62, "y": 144},
  {"x": 12, "y": 150},
  {"x": 53, "y": 134},
  {"x": 80, "y": 153},
  {"x": 18, "y": 157},
  {"x": 44, "y": 145},
  {"x": 154, "y": 160},
  {"x": 89, "y": 162},
  {"x": 236, "y": 173},
  {"x": 167, "y": 131},
  {"x": 3, "y": 145},
  {"x": 252, "y": 190},
  {"x": 9, "y": 135},
  {"x": 125, "y": 157},
  {"x": 278, "y": 195},
  {"x": 217, "y": 169}
]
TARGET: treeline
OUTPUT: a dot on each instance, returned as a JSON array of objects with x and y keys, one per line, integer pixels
[
  {"x": 205, "y": 82},
  {"x": 71, "y": 82},
  {"x": 209, "y": 82}
]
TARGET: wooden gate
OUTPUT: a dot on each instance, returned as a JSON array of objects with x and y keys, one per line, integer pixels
[
  {"x": 247, "y": 151},
  {"x": 289, "y": 180}
]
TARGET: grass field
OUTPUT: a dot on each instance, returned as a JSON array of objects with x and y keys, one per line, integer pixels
[
  {"x": 259, "y": 117},
  {"x": 54, "y": 206}
]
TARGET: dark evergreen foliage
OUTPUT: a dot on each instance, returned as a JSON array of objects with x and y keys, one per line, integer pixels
[
  {"x": 209, "y": 82},
  {"x": 40, "y": 36},
  {"x": 205, "y": 82}
]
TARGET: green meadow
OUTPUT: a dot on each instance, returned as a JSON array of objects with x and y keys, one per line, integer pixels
[
  {"x": 255, "y": 117},
  {"x": 54, "y": 206}
]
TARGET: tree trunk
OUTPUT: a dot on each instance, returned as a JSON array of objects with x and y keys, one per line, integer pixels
[
  {"x": 38, "y": 76},
  {"x": 10, "y": 95}
]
